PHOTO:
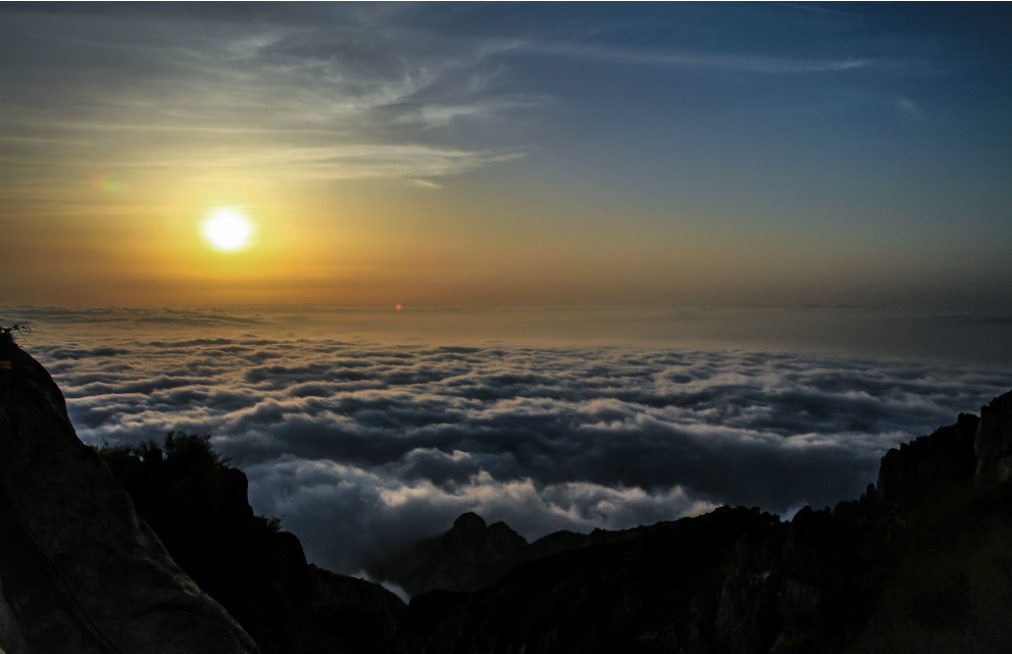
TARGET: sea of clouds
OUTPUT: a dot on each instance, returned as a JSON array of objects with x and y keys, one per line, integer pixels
[{"x": 363, "y": 440}]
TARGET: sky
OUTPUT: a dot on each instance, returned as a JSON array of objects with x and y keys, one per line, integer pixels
[{"x": 497, "y": 153}]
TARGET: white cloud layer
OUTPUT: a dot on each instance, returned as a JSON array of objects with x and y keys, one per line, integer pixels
[{"x": 362, "y": 445}]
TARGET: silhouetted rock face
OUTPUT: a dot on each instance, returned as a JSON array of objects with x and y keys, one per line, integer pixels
[
  {"x": 953, "y": 454},
  {"x": 472, "y": 554},
  {"x": 946, "y": 456},
  {"x": 258, "y": 573},
  {"x": 79, "y": 572},
  {"x": 467, "y": 526},
  {"x": 896, "y": 570},
  {"x": 993, "y": 441},
  {"x": 354, "y": 615},
  {"x": 465, "y": 558},
  {"x": 638, "y": 593},
  {"x": 12, "y": 641}
]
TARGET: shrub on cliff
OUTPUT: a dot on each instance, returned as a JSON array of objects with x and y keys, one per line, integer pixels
[
  {"x": 180, "y": 453},
  {"x": 8, "y": 334}
]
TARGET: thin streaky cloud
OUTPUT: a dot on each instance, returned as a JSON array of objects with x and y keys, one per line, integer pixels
[
  {"x": 823, "y": 9},
  {"x": 731, "y": 62},
  {"x": 297, "y": 84},
  {"x": 341, "y": 161},
  {"x": 909, "y": 108}
]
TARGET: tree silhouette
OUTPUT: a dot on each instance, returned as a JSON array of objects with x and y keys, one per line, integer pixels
[{"x": 8, "y": 334}]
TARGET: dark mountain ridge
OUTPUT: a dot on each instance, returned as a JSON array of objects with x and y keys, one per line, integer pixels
[
  {"x": 179, "y": 563},
  {"x": 921, "y": 562}
]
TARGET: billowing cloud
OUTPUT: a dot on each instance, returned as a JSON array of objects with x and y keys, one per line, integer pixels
[{"x": 361, "y": 445}]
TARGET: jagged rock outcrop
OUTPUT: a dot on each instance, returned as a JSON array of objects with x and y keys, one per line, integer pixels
[
  {"x": 198, "y": 506},
  {"x": 916, "y": 564},
  {"x": 79, "y": 572},
  {"x": 355, "y": 615},
  {"x": 83, "y": 562},
  {"x": 638, "y": 594},
  {"x": 946, "y": 456},
  {"x": 465, "y": 558},
  {"x": 473, "y": 554},
  {"x": 973, "y": 448},
  {"x": 993, "y": 441}
]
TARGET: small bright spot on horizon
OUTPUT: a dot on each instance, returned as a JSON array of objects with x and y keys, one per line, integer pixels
[{"x": 228, "y": 229}]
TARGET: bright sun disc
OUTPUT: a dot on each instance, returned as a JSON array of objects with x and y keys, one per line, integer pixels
[{"x": 227, "y": 229}]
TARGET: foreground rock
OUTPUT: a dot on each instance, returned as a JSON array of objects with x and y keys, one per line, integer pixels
[
  {"x": 79, "y": 572},
  {"x": 199, "y": 508}
]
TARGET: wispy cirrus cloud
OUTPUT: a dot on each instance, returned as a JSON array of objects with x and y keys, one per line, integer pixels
[
  {"x": 338, "y": 98},
  {"x": 748, "y": 63},
  {"x": 355, "y": 161}
]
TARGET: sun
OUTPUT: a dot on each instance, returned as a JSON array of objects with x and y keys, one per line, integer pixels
[{"x": 228, "y": 229}]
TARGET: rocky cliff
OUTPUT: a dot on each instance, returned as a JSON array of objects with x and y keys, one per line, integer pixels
[
  {"x": 465, "y": 558},
  {"x": 79, "y": 572},
  {"x": 992, "y": 442},
  {"x": 920, "y": 562},
  {"x": 198, "y": 506},
  {"x": 154, "y": 550},
  {"x": 946, "y": 456}
]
